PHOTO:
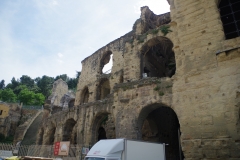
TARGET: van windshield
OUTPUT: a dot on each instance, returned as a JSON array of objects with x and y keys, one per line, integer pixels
[{"x": 94, "y": 158}]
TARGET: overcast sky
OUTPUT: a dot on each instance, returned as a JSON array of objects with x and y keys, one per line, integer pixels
[{"x": 52, "y": 37}]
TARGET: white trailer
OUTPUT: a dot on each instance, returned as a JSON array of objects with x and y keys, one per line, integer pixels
[{"x": 123, "y": 149}]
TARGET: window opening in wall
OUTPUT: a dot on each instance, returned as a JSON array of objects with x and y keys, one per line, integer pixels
[
  {"x": 158, "y": 58},
  {"x": 230, "y": 16},
  {"x": 85, "y": 96},
  {"x": 107, "y": 63},
  {"x": 121, "y": 79},
  {"x": 103, "y": 89}
]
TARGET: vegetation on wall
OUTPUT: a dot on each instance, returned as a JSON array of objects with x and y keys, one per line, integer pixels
[
  {"x": 33, "y": 91},
  {"x": 165, "y": 29}
]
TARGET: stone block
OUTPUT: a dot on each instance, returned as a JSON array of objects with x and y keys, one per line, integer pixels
[
  {"x": 207, "y": 120},
  {"x": 210, "y": 153}
]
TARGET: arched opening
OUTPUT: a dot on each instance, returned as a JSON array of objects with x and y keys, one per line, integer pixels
[
  {"x": 85, "y": 96},
  {"x": 51, "y": 135},
  {"x": 121, "y": 79},
  {"x": 106, "y": 63},
  {"x": 103, "y": 89},
  {"x": 40, "y": 137},
  {"x": 103, "y": 127},
  {"x": 68, "y": 134},
  {"x": 101, "y": 133},
  {"x": 160, "y": 124},
  {"x": 230, "y": 16},
  {"x": 158, "y": 59},
  {"x": 71, "y": 103}
]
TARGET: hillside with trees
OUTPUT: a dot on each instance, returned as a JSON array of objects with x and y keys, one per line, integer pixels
[{"x": 33, "y": 91}]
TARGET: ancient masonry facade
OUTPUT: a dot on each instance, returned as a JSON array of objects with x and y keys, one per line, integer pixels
[{"x": 175, "y": 79}]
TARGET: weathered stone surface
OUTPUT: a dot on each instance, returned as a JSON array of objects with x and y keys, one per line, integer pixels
[
  {"x": 198, "y": 104},
  {"x": 60, "y": 99},
  {"x": 9, "y": 118}
]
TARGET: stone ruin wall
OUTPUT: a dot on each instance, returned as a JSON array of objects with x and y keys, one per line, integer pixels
[{"x": 204, "y": 93}]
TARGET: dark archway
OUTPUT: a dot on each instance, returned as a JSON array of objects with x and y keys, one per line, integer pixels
[
  {"x": 106, "y": 61},
  {"x": 103, "y": 89},
  {"x": 160, "y": 124},
  {"x": 85, "y": 95},
  {"x": 103, "y": 127},
  {"x": 158, "y": 59},
  {"x": 101, "y": 133},
  {"x": 68, "y": 134}
]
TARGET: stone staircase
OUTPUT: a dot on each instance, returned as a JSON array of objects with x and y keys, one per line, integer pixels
[
  {"x": 27, "y": 132},
  {"x": 31, "y": 134}
]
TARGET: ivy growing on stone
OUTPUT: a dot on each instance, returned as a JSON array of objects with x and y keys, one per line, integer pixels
[{"x": 165, "y": 29}]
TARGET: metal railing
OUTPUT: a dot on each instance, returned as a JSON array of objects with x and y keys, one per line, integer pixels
[
  {"x": 75, "y": 151},
  {"x": 32, "y": 107}
]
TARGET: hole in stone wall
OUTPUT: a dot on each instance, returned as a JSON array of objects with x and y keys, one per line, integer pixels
[
  {"x": 85, "y": 96},
  {"x": 107, "y": 63},
  {"x": 68, "y": 134},
  {"x": 121, "y": 79},
  {"x": 160, "y": 124},
  {"x": 158, "y": 58},
  {"x": 103, "y": 89}
]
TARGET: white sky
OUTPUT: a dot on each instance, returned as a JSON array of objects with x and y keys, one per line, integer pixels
[{"x": 52, "y": 37}]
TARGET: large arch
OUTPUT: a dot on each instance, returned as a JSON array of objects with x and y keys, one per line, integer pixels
[
  {"x": 157, "y": 58},
  {"x": 103, "y": 89},
  {"x": 103, "y": 127},
  {"x": 68, "y": 131},
  {"x": 159, "y": 123}
]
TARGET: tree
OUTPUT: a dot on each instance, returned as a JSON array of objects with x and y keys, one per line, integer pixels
[
  {"x": 26, "y": 97},
  {"x": 26, "y": 80},
  {"x": 45, "y": 84},
  {"x": 15, "y": 83},
  {"x": 7, "y": 95},
  {"x": 19, "y": 88},
  {"x": 64, "y": 77},
  {"x": 35, "y": 89},
  {"x": 72, "y": 82},
  {"x": 39, "y": 99},
  {"x": 2, "y": 84}
]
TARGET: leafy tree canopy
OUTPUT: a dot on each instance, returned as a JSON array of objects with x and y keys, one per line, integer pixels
[
  {"x": 26, "y": 80},
  {"x": 26, "y": 97},
  {"x": 7, "y": 95}
]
